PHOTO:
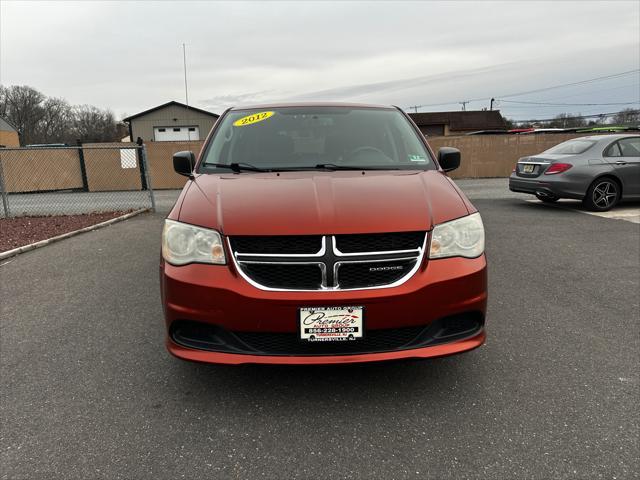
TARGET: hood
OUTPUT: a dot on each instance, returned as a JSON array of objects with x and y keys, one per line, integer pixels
[{"x": 312, "y": 203}]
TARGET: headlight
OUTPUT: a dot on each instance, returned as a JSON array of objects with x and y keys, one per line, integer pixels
[
  {"x": 183, "y": 243},
  {"x": 463, "y": 237}
]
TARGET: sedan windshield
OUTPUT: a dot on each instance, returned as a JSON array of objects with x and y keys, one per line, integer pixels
[
  {"x": 326, "y": 138},
  {"x": 572, "y": 147}
]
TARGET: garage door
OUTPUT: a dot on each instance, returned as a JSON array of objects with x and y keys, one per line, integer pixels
[{"x": 174, "y": 134}]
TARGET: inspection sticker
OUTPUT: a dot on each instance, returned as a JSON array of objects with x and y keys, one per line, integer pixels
[
  {"x": 417, "y": 158},
  {"x": 251, "y": 119}
]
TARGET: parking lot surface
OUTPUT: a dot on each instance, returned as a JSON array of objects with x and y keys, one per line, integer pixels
[{"x": 88, "y": 390}]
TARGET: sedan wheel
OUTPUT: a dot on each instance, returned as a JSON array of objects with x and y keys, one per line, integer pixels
[{"x": 603, "y": 194}]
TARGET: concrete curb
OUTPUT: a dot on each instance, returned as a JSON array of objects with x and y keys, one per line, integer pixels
[{"x": 42, "y": 243}]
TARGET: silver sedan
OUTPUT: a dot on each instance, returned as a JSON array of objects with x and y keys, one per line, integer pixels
[{"x": 600, "y": 170}]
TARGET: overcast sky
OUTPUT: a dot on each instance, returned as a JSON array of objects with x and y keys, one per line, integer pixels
[{"x": 127, "y": 56}]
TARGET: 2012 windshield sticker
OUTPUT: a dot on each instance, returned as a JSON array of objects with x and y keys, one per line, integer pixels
[
  {"x": 253, "y": 118},
  {"x": 417, "y": 158}
]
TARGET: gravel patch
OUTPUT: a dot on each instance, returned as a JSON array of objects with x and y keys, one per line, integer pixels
[{"x": 17, "y": 232}]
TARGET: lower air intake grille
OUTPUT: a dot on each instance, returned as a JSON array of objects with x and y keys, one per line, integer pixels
[
  {"x": 374, "y": 341},
  {"x": 214, "y": 338}
]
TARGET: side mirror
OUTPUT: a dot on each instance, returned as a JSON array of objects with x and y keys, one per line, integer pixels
[
  {"x": 183, "y": 163},
  {"x": 449, "y": 158}
]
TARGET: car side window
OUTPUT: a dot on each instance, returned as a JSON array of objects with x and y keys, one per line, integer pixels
[
  {"x": 630, "y": 147},
  {"x": 613, "y": 150}
]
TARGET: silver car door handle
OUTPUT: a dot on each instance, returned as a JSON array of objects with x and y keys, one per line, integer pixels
[{"x": 621, "y": 162}]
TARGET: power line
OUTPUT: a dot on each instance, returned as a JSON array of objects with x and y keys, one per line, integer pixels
[
  {"x": 581, "y": 82},
  {"x": 568, "y": 104},
  {"x": 637, "y": 85},
  {"x": 415, "y": 107},
  {"x": 517, "y": 94},
  {"x": 577, "y": 117}
]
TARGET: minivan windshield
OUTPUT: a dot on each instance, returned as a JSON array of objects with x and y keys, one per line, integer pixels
[
  {"x": 572, "y": 147},
  {"x": 301, "y": 138}
]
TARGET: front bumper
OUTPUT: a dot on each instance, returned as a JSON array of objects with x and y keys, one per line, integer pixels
[
  {"x": 239, "y": 359},
  {"x": 219, "y": 296}
]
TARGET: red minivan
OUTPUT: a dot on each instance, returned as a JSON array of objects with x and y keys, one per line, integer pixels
[{"x": 321, "y": 234}]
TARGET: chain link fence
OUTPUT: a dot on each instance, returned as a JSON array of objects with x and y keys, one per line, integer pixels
[
  {"x": 160, "y": 161},
  {"x": 91, "y": 178}
]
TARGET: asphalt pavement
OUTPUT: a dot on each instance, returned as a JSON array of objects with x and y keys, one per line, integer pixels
[{"x": 89, "y": 392}]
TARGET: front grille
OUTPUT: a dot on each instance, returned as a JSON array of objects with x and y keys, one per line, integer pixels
[
  {"x": 373, "y": 274},
  {"x": 285, "y": 275},
  {"x": 214, "y": 338},
  {"x": 379, "y": 242},
  {"x": 296, "y": 244},
  {"x": 327, "y": 262}
]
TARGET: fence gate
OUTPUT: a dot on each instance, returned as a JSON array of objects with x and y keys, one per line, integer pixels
[{"x": 90, "y": 178}]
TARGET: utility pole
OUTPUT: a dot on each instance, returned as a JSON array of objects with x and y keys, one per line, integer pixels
[
  {"x": 464, "y": 105},
  {"x": 415, "y": 108},
  {"x": 184, "y": 63},
  {"x": 186, "y": 88}
]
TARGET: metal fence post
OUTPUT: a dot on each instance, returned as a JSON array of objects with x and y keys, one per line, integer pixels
[
  {"x": 145, "y": 168},
  {"x": 143, "y": 178},
  {"x": 3, "y": 191},
  {"x": 83, "y": 167}
]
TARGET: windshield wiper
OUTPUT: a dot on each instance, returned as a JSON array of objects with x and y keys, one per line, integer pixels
[
  {"x": 333, "y": 166},
  {"x": 238, "y": 167},
  {"x": 247, "y": 167}
]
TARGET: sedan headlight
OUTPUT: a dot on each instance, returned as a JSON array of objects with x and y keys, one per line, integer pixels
[
  {"x": 463, "y": 237},
  {"x": 183, "y": 243}
]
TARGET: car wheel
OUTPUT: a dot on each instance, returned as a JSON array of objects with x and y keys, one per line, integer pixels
[
  {"x": 547, "y": 198},
  {"x": 602, "y": 195}
]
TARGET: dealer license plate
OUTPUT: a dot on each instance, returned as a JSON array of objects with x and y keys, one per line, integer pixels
[
  {"x": 528, "y": 168},
  {"x": 331, "y": 324}
]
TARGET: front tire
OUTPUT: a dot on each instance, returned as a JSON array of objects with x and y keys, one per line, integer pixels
[{"x": 602, "y": 195}]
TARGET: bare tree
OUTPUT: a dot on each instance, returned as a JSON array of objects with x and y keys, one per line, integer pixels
[
  {"x": 509, "y": 123},
  {"x": 567, "y": 120},
  {"x": 4, "y": 101},
  {"x": 56, "y": 123},
  {"x": 628, "y": 116},
  {"x": 94, "y": 125},
  {"x": 22, "y": 106},
  {"x": 52, "y": 120}
]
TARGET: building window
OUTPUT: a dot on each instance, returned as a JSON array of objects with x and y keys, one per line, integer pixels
[
  {"x": 176, "y": 129},
  {"x": 162, "y": 129},
  {"x": 192, "y": 129}
]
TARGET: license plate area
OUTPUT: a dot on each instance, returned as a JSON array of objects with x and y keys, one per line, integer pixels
[
  {"x": 528, "y": 168},
  {"x": 331, "y": 324}
]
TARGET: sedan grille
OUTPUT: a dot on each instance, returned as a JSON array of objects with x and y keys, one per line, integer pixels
[{"x": 316, "y": 262}]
